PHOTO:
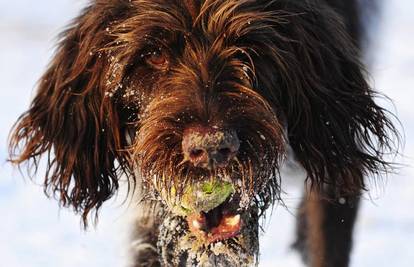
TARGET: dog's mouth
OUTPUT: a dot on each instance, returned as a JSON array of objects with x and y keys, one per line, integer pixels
[
  {"x": 211, "y": 209},
  {"x": 209, "y": 223},
  {"x": 218, "y": 224},
  {"x": 214, "y": 238}
]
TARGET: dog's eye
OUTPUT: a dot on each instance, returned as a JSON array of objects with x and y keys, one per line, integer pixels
[{"x": 157, "y": 59}]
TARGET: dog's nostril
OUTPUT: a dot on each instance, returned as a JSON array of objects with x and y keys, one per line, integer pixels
[
  {"x": 196, "y": 153},
  {"x": 225, "y": 152}
]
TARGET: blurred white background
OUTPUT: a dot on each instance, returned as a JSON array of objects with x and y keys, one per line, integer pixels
[{"x": 35, "y": 232}]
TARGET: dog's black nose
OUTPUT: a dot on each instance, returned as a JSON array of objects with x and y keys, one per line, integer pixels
[{"x": 209, "y": 147}]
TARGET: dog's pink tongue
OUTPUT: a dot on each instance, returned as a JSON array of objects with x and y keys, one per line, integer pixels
[{"x": 228, "y": 227}]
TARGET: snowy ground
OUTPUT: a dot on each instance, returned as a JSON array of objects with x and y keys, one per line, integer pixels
[{"x": 35, "y": 232}]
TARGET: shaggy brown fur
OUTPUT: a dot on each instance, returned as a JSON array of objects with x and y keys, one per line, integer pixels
[{"x": 129, "y": 77}]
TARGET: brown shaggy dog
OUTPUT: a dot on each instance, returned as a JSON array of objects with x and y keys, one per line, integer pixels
[{"x": 197, "y": 102}]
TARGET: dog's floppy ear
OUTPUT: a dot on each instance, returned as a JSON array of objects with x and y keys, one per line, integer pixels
[
  {"x": 334, "y": 126},
  {"x": 72, "y": 122}
]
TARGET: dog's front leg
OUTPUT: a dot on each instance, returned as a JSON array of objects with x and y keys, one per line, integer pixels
[
  {"x": 145, "y": 235},
  {"x": 325, "y": 225}
]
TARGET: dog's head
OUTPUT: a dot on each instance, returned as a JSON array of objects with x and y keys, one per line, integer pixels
[{"x": 198, "y": 100}]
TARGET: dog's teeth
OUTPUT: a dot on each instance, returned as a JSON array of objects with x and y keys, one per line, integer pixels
[
  {"x": 233, "y": 221},
  {"x": 196, "y": 224}
]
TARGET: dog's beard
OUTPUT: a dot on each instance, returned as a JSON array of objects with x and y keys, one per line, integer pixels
[
  {"x": 177, "y": 247},
  {"x": 253, "y": 175}
]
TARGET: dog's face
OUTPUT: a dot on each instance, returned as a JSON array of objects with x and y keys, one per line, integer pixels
[
  {"x": 208, "y": 136},
  {"x": 197, "y": 100}
]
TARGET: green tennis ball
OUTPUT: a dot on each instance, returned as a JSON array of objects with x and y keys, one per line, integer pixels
[{"x": 203, "y": 196}]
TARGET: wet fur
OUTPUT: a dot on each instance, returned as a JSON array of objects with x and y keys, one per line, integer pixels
[{"x": 278, "y": 72}]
